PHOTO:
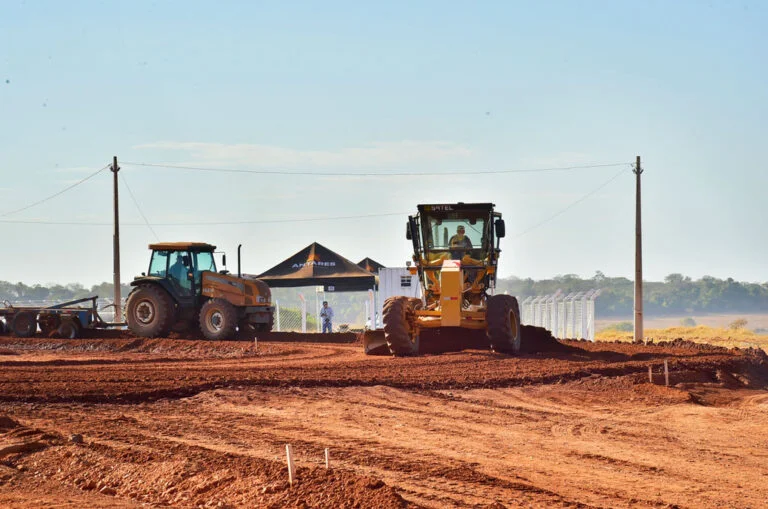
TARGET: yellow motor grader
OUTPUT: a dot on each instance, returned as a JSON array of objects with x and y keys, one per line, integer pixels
[
  {"x": 455, "y": 254},
  {"x": 183, "y": 288}
]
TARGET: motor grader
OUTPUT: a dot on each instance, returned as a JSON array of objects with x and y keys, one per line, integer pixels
[
  {"x": 183, "y": 288},
  {"x": 455, "y": 254}
]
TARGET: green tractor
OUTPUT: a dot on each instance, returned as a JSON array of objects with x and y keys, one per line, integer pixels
[{"x": 182, "y": 288}]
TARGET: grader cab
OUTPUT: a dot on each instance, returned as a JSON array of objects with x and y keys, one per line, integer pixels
[
  {"x": 455, "y": 254},
  {"x": 183, "y": 288}
]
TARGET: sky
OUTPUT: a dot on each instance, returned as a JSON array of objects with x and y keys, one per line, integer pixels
[{"x": 329, "y": 112}]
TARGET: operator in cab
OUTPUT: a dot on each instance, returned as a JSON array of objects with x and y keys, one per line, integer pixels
[{"x": 459, "y": 244}]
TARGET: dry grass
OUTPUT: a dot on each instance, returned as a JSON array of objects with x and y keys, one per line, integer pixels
[{"x": 742, "y": 338}]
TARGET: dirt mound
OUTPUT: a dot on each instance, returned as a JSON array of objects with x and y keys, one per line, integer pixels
[{"x": 539, "y": 339}]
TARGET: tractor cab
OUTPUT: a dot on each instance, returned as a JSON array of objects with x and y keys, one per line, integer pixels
[{"x": 182, "y": 264}]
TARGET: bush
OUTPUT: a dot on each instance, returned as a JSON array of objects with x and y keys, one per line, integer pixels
[
  {"x": 688, "y": 322},
  {"x": 737, "y": 324}
]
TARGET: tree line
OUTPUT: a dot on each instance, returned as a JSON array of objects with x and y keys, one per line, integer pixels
[{"x": 676, "y": 295}]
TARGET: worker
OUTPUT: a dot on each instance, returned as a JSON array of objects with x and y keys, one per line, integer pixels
[
  {"x": 326, "y": 316},
  {"x": 180, "y": 271},
  {"x": 459, "y": 243}
]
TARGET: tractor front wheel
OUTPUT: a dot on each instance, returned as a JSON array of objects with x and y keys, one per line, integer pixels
[
  {"x": 150, "y": 311},
  {"x": 399, "y": 333},
  {"x": 503, "y": 317},
  {"x": 218, "y": 319}
]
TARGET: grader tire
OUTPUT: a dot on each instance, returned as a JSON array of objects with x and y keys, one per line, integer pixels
[
  {"x": 398, "y": 333},
  {"x": 150, "y": 311},
  {"x": 25, "y": 324},
  {"x": 218, "y": 319},
  {"x": 503, "y": 317}
]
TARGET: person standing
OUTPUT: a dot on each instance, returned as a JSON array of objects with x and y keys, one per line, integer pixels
[{"x": 326, "y": 316}]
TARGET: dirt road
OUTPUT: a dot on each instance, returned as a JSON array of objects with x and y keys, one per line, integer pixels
[{"x": 136, "y": 423}]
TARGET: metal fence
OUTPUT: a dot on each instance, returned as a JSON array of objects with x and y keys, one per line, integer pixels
[
  {"x": 300, "y": 313},
  {"x": 565, "y": 316}
]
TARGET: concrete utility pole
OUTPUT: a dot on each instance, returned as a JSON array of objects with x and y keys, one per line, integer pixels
[
  {"x": 638, "y": 258},
  {"x": 116, "y": 248}
]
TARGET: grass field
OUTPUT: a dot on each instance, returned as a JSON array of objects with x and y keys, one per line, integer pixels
[{"x": 742, "y": 338}]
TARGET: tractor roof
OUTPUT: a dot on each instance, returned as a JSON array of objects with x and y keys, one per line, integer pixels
[{"x": 182, "y": 246}]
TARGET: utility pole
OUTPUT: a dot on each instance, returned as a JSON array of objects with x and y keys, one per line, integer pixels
[
  {"x": 116, "y": 248},
  {"x": 638, "y": 258}
]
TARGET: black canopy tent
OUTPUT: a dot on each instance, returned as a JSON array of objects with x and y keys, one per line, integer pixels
[
  {"x": 370, "y": 265},
  {"x": 317, "y": 265}
]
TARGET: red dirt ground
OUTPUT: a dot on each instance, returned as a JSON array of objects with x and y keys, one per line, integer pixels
[{"x": 126, "y": 422}]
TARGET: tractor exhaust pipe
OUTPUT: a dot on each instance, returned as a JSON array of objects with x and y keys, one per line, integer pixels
[{"x": 239, "y": 275}]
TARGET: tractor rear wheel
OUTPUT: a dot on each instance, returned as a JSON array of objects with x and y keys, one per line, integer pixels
[
  {"x": 218, "y": 319},
  {"x": 150, "y": 311},
  {"x": 25, "y": 324},
  {"x": 399, "y": 334},
  {"x": 503, "y": 317}
]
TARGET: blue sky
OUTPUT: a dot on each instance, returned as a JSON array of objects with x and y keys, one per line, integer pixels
[{"x": 332, "y": 87}]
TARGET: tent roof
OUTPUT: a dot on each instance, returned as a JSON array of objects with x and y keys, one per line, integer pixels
[
  {"x": 317, "y": 265},
  {"x": 370, "y": 265}
]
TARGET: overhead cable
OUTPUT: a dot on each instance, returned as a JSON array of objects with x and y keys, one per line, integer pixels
[
  {"x": 138, "y": 208},
  {"x": 214, "y": 223},
  {"x": 571, "y": 205},
  {"x": 55, "y": 194},
  {"x": 321, "y": 173}
]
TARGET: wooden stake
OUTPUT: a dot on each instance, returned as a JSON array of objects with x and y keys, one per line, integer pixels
[
  {"x": 327, "y": 459},
  {"x": 666, "y": 373},
  {"x": 650, "y": 374},
  {"x": 289, "y": 456}
]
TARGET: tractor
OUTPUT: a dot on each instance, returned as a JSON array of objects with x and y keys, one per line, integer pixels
[
  {"x": 183, "y": 288},
  {"x": 455, "y": 254}
]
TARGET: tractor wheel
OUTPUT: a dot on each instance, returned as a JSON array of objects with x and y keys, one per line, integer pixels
[
  {"x": 25, "y": 324},
  {"x": 69, "y": 328},
  {"x": 218, "y": 319},
  {"x": 398, "y": 332},
  {"x": 49, "y": 324},
  {"x": 3, "y": 329},
  {"x": 150, "y": 312},
  {"x": 503, "y": 317}
]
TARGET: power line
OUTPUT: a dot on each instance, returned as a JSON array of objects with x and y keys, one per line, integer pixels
[
  {"x": 139, "y": 208},
  {"x": 572, "y": 204},
  {"x": 321, "y": 173},
  {"x": 55, "y": 194},
  {"x": 214, "y": 223}
]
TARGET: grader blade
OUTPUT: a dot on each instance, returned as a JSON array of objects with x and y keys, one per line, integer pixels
[{"x": 374, "y": 343}]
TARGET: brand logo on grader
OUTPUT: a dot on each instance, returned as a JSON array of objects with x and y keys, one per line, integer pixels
[{"x": 436, "y": 208}]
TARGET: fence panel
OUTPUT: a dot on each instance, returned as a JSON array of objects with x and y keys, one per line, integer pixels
[{"x": 565, "y": 316}]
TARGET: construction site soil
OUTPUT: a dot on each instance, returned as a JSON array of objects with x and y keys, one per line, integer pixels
[{"x": 119, "y": 421}]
